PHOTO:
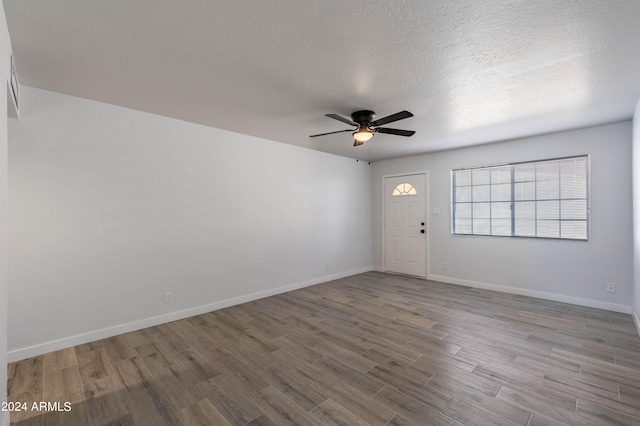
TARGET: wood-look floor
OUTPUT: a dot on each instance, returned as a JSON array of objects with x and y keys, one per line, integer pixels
[{"x": 371, "y": 349}]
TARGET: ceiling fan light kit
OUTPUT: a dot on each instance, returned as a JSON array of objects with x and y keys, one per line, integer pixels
[
  {"x": 362, "y": 134},
  {"x": 366, "y": 126}
]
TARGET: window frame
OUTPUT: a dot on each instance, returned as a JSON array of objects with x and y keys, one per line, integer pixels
[{"x": 512, "y": 202}]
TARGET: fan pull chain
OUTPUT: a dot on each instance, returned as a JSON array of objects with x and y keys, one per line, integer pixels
[{"x": 358, "y": 153}]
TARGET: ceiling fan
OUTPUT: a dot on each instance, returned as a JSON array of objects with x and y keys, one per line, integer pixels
[{"x": 366, "y": 127}]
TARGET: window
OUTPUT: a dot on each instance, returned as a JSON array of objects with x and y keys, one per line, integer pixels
[
  {"x": 403, "y": 189},
  {"x": 541, "y": 199}
]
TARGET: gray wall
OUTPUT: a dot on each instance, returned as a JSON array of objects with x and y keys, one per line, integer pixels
[
  {"x": 575, "y": 272},
  {"x": 111, "y": 208},
  {"x": 636, "y": 215},
  {"x": 5, "y": 54}
]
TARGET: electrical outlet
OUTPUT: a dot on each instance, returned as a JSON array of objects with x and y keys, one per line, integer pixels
[
  {"x": 611, "y": 287},
  {"x": 327, "y": 266},
  {"x": 168, "y": 297},
  {"x": 445, "y": 266}
]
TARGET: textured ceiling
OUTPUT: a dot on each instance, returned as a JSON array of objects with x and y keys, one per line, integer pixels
[{"x": 471, "y": 71}]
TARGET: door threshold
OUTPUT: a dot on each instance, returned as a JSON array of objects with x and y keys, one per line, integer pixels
[{"x": 405, "y": 275}]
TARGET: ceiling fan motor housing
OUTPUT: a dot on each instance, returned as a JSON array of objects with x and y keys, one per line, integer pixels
[{"x": 363, "y": 117}]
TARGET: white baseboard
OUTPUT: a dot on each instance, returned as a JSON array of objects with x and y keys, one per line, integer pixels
[
  {"x": 625, "y": 309},
  {"x": 35, "y": 350},
  {"x": 378, "y": 268}
]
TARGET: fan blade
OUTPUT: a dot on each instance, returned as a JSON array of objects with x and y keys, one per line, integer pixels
[
  {"x": 331, "y": 133},
  {"x": 397, "y": 132},
  {"x": 341, "y": 118},
  {"x": 391, "y": 118}
]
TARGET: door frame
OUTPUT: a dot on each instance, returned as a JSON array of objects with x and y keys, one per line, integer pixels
[{"x": 427, "y": 249}]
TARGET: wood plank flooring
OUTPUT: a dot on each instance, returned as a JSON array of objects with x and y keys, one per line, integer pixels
[{"x": 372, "y": 349}]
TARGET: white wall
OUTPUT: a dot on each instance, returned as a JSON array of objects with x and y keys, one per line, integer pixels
[
  {"x": 111, "y": 207},
  {"x": 574, "y": 272},
  {"x": 5, "y": 54},
  {"x": 636, "y": 216}
]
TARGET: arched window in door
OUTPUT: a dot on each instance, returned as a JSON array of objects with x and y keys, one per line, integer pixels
[{"x": 404, "y": 189}]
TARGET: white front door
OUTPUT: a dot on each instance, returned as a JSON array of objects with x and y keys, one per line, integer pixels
[{"x": 405, "y": 224}]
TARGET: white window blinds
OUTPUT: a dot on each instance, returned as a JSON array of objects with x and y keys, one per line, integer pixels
[{"x": 544, "y": 199}]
